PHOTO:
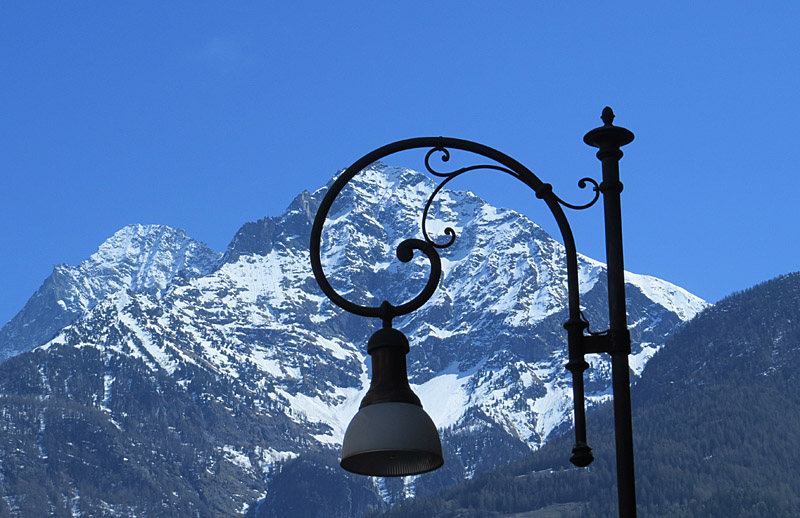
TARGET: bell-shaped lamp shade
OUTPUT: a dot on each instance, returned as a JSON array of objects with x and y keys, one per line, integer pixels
[
  {"x": 391, "y": 435},
  {"x": 391, "y": 440}
]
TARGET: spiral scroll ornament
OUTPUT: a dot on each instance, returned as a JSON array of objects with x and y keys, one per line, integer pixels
[{"x": 428, "y": 246}]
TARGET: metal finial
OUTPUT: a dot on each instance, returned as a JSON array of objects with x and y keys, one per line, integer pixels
[{"x": 608, "y": 116}]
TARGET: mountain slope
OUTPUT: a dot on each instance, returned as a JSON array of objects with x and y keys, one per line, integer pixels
[
  {"x": 247, "y": 369},
  {"x": 715, "y": 422}
]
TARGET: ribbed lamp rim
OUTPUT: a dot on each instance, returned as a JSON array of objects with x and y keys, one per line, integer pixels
[{"x": 367, "y": 463}]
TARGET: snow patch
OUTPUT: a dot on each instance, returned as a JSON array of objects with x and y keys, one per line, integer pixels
[
  {"x": 237, "y": 457},
  {"x": 640, "y": 359},
  {"x": 673, "y": 298},
  {"x": 445, "y": 396}
]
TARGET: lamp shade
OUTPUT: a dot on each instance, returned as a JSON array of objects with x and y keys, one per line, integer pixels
[
  {"x": 391, "y": 435},
  {"x": 392, "y": 439}
]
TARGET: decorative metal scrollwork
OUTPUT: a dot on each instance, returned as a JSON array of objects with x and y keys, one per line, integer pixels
[
  {"x": 582, "y": 184},
  {"x": 428, "y": 246},
  {"x": 449, "y": 176},
  {"x": 616, "y": 341}
]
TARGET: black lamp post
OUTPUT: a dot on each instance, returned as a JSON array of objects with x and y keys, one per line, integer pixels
[{"x": 391, "y": 435}]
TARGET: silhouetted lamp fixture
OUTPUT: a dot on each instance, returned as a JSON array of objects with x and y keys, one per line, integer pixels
[{"x": 391, "y": 435}]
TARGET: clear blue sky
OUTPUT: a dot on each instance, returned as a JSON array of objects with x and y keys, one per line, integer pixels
[{"x": 205, "y": 115}]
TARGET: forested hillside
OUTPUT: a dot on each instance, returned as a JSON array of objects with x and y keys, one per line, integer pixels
[{"x": 716, "y": 422}]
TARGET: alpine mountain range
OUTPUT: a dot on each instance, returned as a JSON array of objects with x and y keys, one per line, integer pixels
[{"x": 161, "y": 374}]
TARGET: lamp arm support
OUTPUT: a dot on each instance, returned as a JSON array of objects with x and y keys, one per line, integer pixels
[
  {"x": 616, "y": 342},
  {"x": 442, "y": 147}
]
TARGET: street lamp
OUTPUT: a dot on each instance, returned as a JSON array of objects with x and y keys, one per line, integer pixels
[{"x": 391, "y": 435}]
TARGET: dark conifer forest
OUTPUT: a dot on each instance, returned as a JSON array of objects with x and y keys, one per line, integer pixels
[{"x": 716, "y": 422}]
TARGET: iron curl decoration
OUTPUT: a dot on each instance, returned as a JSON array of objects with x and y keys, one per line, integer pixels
[
  {"x": 582, "y": 185},
  {"x": 427, "y": 246},
  {"x": 386, "y": 311},
  {"x": 449, "y": 176}
]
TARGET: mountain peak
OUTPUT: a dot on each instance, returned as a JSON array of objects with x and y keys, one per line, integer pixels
[
  {"x": 256, "y": 337},
  {"x": 141, "y": 258},
  {"x": 138, "y": 231},
  {"x": 151, "y": 256}
]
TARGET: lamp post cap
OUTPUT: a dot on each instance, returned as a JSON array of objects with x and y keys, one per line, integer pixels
[{"x": 608, "y": 136}]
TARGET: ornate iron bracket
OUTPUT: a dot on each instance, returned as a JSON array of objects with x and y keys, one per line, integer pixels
[{"x": 579, "y": 344}]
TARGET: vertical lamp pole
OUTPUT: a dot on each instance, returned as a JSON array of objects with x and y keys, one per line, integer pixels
[
  {"x": 391, "y": 435},
  {"x": 610, "y": 139}
]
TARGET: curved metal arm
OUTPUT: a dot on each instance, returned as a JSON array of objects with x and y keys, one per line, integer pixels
[
  {"x": 609, "y": 139},
  {"x": 502, "y": 163},
  {"x": 443, "y": 145}
]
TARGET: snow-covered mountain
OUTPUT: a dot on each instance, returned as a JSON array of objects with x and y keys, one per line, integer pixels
[
  {"x": 254, "y": 338},
  {"x": 142, "y": 258}
]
